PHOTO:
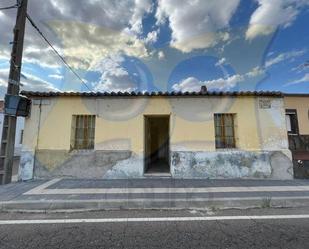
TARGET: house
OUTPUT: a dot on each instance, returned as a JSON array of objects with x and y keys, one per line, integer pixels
[
  {"x": 148, "y": 134},
  {"x": 297, "y": 119}
]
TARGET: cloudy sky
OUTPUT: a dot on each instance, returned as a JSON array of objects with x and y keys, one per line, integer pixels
[{"x": 174, "y": 45}]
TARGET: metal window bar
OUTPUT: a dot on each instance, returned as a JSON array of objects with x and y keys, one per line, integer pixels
[
  {"x": 84, "y": 131},
  {"x": 224, "y": 130}
]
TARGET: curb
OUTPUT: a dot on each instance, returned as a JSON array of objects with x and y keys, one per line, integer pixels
[{"x": 96, "y": 205}]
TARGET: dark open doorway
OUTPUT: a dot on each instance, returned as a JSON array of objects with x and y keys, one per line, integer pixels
[{"x": 157, "y": 144}]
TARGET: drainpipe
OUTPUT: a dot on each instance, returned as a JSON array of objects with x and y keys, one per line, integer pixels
[{"x": 38, "y": 135}]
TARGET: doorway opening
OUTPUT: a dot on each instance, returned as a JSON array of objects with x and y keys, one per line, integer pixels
[{"x": 157, "y": 144}]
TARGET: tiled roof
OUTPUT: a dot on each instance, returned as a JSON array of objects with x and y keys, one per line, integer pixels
[
  {"x": 296, "y": 95},
  {"x": 177, "y": 94}
]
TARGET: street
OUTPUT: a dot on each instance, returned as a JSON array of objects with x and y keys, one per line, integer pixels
[{"x": 272, "y": 228}]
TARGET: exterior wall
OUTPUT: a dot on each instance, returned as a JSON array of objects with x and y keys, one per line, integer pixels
[
  {"x": 299, "y": 143},
  {"x": 301, "y": 104},
  {"x": 261, "y": 137},
  {"x": 19, "y": 128}
]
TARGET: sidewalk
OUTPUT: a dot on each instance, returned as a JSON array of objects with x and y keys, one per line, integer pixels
[{"x": 158, "y": 193}]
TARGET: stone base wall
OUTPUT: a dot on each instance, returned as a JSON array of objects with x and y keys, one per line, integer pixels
[
  {"x": 101, "y": 164},
  {"x": 77, "y": 164},
  {"x": 232, "y": 164}
]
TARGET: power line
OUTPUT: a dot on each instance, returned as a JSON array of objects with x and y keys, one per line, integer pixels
[
  {"x": 9, "y": 7},
  {"x": 60, "y": 56},
  {"x": 17, "y": 5}
]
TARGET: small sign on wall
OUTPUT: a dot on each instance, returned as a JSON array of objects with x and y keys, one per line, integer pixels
[{"x": 264, "y": 103}]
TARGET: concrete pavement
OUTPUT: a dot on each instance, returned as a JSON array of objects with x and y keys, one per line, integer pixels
[{"x": 152, "y": 193}]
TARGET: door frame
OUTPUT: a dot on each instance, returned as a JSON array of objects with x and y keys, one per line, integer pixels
[{"x": 148, "y": 116}]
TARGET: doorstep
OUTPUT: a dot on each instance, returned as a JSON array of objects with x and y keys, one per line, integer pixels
[{"x": 158, "y": 175}]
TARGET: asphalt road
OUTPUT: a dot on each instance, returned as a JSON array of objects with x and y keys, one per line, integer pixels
[{"x": 248, "y": 233}]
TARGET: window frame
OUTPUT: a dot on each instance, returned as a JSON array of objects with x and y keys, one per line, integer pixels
[
  {"x": 223, "y": 138},
  {"x": 82, "y": 125},
  {"x": 292, "y": 112}
]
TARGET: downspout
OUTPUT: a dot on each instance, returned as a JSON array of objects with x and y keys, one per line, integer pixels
[{"x": 38, "y": 135}]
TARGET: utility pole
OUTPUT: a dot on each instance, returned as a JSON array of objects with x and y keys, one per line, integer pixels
[{"x": 9, "y": 124}]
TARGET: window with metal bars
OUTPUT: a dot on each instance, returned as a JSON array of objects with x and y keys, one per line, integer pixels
[
  {"x": 224, "y": 130},
  {"x": 83, "y": 129}
]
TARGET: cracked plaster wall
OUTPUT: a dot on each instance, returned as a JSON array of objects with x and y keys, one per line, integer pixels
[{"x": 260, "y": 134}]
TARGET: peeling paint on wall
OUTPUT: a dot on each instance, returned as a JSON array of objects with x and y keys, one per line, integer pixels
[
  {"x": 230, "y": 164},
  {"x": 184, "y": 164},
  {"x": 25, "y": 171},
  {"x": 132, "y": 167},
  {"x": 261, "y": 138},
  {"x": 76, "y": 164}
]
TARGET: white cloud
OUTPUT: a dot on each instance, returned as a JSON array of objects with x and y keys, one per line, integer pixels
[
  {"x": 283, "y": 57},
  {"x": 31, "y": 83},
  {"x": 220, "y": 62},
  {"x": 42, "y": 56},
  {"x": 141, "y": 7},
  {"x": 304, "y": 79},
  {"x": 152, "y": 37},
  {"x": 84, "y": 32},
  {"x": 4, "y": 75},
  {"x": 114, "y": 77},
  {"x": 84, "y": 45},
  {"x": 109, "y": 18},
  {"x": 4, "y": 53},
  {"x": 189, "y": 84},
  {"x": 56, "y": 76},
  {"x": 301, "y": 68},
  {"x": 35, "y": 83},
  {"x": 271, "y": 14},
  {"x": 196, "y": 24},
  {"x": 161, "y": 55},
  {"x": 192, "y": 84},
  {"x": 255, "y": 72}
]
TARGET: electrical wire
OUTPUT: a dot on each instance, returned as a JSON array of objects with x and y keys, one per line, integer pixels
[
  {"x": 9, "y": 7},
  {"x": 17, "y": 5},
  {"x": 56, "y": 52}
]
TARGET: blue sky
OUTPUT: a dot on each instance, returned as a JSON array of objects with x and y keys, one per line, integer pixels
[{"x": 174, "y": 45}]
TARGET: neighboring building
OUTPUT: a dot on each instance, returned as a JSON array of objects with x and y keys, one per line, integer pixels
[
  {"x": 136, "y": 135},
  {"x": 297, "y": 119},
  {"x": 19, "y": 130}
]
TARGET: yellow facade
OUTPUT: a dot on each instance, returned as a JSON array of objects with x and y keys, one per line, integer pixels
[
  {"x": 119, "y": 144},
  {"x": 301, "y": 104},
  {"x": 120, "y": 122}
]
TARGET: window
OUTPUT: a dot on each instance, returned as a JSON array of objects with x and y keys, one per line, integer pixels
[
  {"x": 224, "y": 129},
  {"x": 291, "y": 121},
  {"x": 83, "y": 128}
]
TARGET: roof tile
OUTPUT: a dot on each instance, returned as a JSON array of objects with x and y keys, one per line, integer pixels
[{"x": 99, "y": 94}]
